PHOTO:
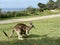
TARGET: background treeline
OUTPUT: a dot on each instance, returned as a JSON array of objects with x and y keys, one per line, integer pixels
[
  {"x": 43, "y": 9},
  {"x": 50, "y": 5}
]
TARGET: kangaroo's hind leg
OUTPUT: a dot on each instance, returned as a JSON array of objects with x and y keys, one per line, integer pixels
[
  {"x": 11, "y": 33},
  {"x": 19, "y": 35}
]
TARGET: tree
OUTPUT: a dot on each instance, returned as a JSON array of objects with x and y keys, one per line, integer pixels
[
  {"x": 30, "y": 10},
  {"x": 0, "y": 10},
  {"x": 58, "y": 4},
  {"x": 41, "y": 6},
  {"x": 50, "y": 4},
  {"x": 58, "y": 0}
]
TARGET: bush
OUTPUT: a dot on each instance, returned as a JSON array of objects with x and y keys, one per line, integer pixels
[
  {"x": 13, "y": 14},
  {"x": 46, "y": 12}
]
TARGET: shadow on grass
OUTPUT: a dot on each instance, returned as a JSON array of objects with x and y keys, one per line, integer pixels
[
  {"x": 30, "y": 36},
  {"x": 33, "y": 36},
  {"x": 29, "y": 41}
]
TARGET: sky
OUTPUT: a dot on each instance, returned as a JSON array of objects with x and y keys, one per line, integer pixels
[{"x": 20, "y": 3}]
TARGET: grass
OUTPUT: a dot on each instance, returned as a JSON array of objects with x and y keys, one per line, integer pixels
[{"x": 46, "y": 32}]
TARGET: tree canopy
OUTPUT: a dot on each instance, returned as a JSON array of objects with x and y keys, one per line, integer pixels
[{"x": 50, "y": 5}]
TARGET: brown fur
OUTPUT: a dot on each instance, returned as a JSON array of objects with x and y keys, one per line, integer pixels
[{"x": 20, "y": 29}]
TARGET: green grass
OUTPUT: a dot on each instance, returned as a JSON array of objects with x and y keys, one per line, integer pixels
[{"x": 46, "y": 32}]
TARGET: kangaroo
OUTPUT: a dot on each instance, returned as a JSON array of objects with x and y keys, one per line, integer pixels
[{"x": 20, "y": 29}]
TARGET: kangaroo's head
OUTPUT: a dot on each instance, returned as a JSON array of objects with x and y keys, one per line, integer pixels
[{"x": 30, "y": 27}]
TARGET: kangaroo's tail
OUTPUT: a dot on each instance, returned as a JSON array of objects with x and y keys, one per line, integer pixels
[
  {"x": 5, "y": 33},
  {"x": 10, "y": 34}
]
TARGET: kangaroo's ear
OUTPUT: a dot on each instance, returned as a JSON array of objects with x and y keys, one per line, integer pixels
[
  {"x": 33, "y": 26},
  {"x": 31, "y": 23}
]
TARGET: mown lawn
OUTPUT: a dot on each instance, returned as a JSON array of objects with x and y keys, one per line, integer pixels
[{"x": 46, "y": 32}]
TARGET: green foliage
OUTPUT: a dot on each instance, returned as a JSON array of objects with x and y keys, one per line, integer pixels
[
  {"x": 30, "y": 10},
  {"x": 48, "y": 12},
  {"x": 13, "y": 14},
  {"x": 42, "y": 6},
  {"x": 58, "y": 4},
  {"x": 50, "y": 5},
  {"x": 27, "y": 12},
  {"x": 0, "y": 10},
  {"x": 44, "y": 9}
]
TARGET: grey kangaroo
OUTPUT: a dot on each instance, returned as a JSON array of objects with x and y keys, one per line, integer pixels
[{"x": 20, "y": 29}]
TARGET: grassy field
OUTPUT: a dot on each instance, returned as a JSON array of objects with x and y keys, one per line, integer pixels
[{"x": 46, "y": 32}]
